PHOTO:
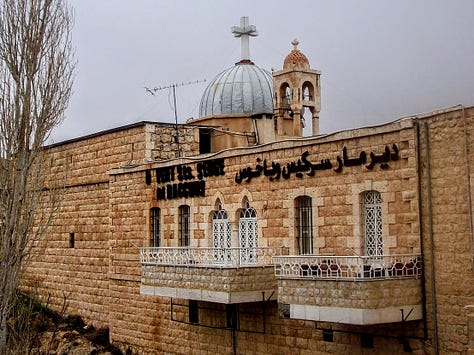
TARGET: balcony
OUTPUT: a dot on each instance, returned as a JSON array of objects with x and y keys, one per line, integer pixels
[
  {"x": 222, "y": 275},
  {"x": 351, "y": 289}
]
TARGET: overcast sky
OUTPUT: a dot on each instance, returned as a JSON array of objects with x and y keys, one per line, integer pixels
[{"x": 380, "y": 59}]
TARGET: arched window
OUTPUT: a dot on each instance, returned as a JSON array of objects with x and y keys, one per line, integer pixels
[
  {"x": 184, "y": 229},
  {"x": 288, "y": 95},
  {"x": 248, "y": 235},
  {"x": 155, "y": 227},
  {"x": 308, "y": 91},
  {"x": 221, "y": 236},
  {"x": 285, "y": 94},
  {"x": 372, "y": 223},
  {"x": 304, "y": 224}
]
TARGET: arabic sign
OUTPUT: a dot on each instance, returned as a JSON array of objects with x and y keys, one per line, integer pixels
[{"x": 275, "y": 170}]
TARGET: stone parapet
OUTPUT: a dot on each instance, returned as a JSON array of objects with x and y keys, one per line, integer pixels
[
  {"x": 222, "y": 285},
  {"x": 356, "y": 302}
]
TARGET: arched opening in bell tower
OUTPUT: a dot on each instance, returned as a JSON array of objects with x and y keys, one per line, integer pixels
[
  {"x": 307, "y": 121},
  {"x": 285, "y": 94},
  {"x": 308, "y": 91}
]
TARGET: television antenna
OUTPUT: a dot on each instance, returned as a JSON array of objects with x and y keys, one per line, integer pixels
[{"x": 153, "y": 91}]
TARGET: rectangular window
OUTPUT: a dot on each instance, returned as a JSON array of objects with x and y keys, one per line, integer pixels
[
  {"x": 72, "y": 240},
  {"x": 367, "y": 340},
  {"x": 193, "y": 311},
  {"x": 328, "y": 335},
  {"x": 231, "y": 316},
  {"x": 204, "y": 140},
  {"x": 155, "y": 227},
  {"x": 304, "y": 224},
  {"x": 372, "y": 223},
  {"x": 184, "y": 230}
]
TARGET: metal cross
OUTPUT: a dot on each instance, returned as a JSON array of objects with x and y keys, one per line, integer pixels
[{"x": 244, "y": 31}]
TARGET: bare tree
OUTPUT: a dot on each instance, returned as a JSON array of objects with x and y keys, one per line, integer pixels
[{"x": 36, "y": 73}]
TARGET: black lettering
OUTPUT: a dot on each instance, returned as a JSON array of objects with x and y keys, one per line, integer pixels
[
  {"x": 182, "y": 190},
  {"x": 175, "y": 190},
  {"x": 148, "y": 177},
  {"x": 202, "y": 188},
  {"x": 161, "y": 193},
  {"x": 164, "y": 175}
]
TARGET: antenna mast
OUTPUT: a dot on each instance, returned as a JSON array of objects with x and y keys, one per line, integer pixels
[{"x": 175, "y": 108}]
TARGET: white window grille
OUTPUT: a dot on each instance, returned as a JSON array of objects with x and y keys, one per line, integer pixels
[
  {"x": 222, "y": 236},
  {"x": 372, "y": 209},
  {"x": 155, "y": 227},
  {"x": 304, "y": 224},
  {"x": 184, "y": 229},
  {"x": 248, "y": 235}
]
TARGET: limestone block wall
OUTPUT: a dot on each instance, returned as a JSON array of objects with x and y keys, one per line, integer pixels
[
  {"x": 446, "y": 164},
  {"x": 336, "y": 196},
  {"x": 71, "y": 262},
  {"x": 80, "y": 273},
  {"x": 212, "y": 279},
  {"x": 336, "y": 228},
  {"x": 162, "y": 143},
  {"x": 109, "y": 217},
  {"x": 349, "y": 294}
]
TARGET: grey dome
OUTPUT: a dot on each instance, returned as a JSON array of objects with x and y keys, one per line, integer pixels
[{"x": 243, "y": 88}]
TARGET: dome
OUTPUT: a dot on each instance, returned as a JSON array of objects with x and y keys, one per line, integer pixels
[
  {"x": 296, "y": 59},
  {"x": 244, "y": 88}
]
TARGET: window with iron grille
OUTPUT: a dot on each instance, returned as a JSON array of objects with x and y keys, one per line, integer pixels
[
  {"x": 221, "y": 236},
  {"x": 155, "y": 227},
  {"x": 304, "y": 224},
  {"x": 184, "y": 229},
  {"x": 372, "y": 223},
  {"x": 248, "y": 235}
]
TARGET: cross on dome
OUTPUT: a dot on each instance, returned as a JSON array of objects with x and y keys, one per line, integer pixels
[
  {"x": 244, "y": 31},
  {"x": 295, "y": 43}
]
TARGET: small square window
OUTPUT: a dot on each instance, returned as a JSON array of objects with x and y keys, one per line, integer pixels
[
  {"x": 328, "y": 335},
  {"x": 367, "y": 340}
]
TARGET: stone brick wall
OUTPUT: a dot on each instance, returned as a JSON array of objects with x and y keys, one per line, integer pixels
[
  {"x": 81, "y": 274},
  {"x": 212, "y": 279},
  {"x": 110, "y": 217},
  {"x": 162, "y": 143},
  {"x": 336, "y": 228},
  {"x": 349, "y": 294},
  {"x": 447, "y": 237}
]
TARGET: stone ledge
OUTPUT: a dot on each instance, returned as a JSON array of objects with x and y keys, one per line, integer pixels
[
  {"x": 210, "y": 296},
  {"x": 357, "y": 316}
]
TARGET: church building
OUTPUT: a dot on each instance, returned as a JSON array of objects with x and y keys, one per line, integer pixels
[{"x": 236, "y": 234}]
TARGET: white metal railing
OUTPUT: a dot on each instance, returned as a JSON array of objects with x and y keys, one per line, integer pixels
[
  {"x": 211, "y": 257},
  {"x": 348, "y": 267}
]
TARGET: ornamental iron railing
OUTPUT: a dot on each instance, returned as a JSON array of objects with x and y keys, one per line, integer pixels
[
  {"x": 211, "y": 257},
  {"x": 348, "y": 267}
]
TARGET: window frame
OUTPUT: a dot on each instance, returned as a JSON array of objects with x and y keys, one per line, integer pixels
[
  {"x": 184, "y": 213},
  {"x": 248, "y": 235},
  {"x": 304, "y": 224},
  {"x": 155, "y": 227},
  {"x": 372, "y": 223}
]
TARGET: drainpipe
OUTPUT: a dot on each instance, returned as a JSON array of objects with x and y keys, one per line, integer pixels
[
  {"x": 468, "y": 185},
  {"x": 431, "y": 239},
  {"x": 420, "y": 223}
]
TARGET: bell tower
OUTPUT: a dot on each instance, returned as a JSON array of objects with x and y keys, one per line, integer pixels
[{"x": 297, "y": 87}]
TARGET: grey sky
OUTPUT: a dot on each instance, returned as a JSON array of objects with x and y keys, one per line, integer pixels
[{"x": 380, "y": 59}]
